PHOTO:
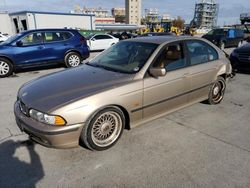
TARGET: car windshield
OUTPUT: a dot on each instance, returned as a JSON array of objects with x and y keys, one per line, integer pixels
[
  {"x": 12, "y": 38},
  {"x": 217, "y": 32},
  {"x": 125, "y": 57}
]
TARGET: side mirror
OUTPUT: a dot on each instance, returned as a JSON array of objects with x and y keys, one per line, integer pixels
[
  {"x": 19, "y": 43},
  {"x": 93, "y": 39},
  {"x": 157, "y": 72}
]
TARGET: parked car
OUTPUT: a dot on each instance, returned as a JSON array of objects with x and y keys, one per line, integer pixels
[
  {"x": 42, "y": 47},
  {"x": 224, "y": 38},
  {"x": 101, "y": 41},
  {"x": 150, "y": 34},
  {"x": 133, "y": 82},
  {"x": 240, "y": 58},
  {"x": 3, "y": 37}
]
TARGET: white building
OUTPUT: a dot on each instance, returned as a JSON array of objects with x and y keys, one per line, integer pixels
[
  {"x": 133, "y": 12},
  {"x": 5, "y": 23},
  {"x": 26, "y": 20}
]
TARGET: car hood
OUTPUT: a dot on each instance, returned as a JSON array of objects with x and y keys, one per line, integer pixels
[
  {"x": 50, "y": 92},
  {"x": 243, "y": 49}
]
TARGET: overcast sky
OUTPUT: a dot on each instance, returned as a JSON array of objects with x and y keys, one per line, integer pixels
[{"x": 228, "y": 13}]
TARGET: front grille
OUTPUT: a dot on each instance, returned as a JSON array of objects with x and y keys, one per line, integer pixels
[
  {"x": 245, "y": 57},
  {"x": 24, "y": 109}
]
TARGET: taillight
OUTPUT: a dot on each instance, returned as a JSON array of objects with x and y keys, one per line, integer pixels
[{"x": 83, "y": 40}]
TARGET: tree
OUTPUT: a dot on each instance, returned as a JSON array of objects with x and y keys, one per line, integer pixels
[{"x": 179, "y": 22}]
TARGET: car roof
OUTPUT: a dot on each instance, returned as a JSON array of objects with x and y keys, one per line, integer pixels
[
  {"x": 161, "y": 39},
  {"x": 44, "y": 30}
]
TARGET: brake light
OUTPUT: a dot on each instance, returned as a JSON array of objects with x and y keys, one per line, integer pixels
[{"x": 83, "y": 40}]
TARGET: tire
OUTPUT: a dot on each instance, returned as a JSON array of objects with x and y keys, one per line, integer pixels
[
  {"x": 72, "y": 59},
  {"x": 6, "y": 68},
  {"x": 104, "y": 129},
  {"x": 222, "y": 45},
  {"x": 216, "y": 91}
]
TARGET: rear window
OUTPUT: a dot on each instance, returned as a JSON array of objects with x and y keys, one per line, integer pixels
[{"x": 57, "y": 36}]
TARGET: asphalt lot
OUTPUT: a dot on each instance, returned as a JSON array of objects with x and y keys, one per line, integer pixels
[{"x": 199, "y": 146}]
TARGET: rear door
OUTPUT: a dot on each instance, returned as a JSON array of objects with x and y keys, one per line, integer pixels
[
  {"x": 57, "y": 44},
  {"x": 203, "y": 68},
  {"x": 169, "y": 92}
]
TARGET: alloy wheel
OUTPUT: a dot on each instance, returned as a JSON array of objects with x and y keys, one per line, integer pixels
[
  {"x": 106, "y": 129},
  {"x": 74, "y": 60},
  {"x": 218, "y": 91},
  {"x": 4, "y": 68}
]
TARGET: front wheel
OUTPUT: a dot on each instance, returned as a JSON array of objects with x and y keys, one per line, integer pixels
[
  {"x": 6, "y": 68},
  {"x": 104, "y": 129},
  {"x": 72, "y": 59},
  {"x": 217, "y": 90}
]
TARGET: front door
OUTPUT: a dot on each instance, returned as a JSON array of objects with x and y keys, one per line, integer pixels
[
  {"x": 30, "y": 49},
  {"x": 169, "y": 92}
]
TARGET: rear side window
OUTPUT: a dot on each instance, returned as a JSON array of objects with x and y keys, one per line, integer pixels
[
  {"x": 200, "y": 52},
  {"x": 100, "y": 37},
  {"x": 239, "y": 33},
  {"x": 57, "y": 36}
]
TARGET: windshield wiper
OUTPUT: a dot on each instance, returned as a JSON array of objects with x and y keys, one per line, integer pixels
[{"x": 106, "y": 68}]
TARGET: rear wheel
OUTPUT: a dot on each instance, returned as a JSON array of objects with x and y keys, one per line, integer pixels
[
  {"x": 72, "y": 59},
  {"x": 217, "y": 90},
  {"x": 6, "y": 67},
  {"x": 104, "y": 129}
]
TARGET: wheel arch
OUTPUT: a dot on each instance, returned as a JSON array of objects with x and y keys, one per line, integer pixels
[
  {"x": 124, "y": 111},
  {"x": 73, "y": 50},
  {"x": 8, "y": 58}
]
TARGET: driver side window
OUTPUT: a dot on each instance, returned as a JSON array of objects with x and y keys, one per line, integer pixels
[
  {"x": 172, "y": 57},
  {"x": 32, "y": 39}
]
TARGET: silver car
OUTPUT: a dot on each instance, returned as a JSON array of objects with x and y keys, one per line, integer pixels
[{"x": 129, "y": 84}]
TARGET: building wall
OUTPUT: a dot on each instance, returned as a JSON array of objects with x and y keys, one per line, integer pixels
[
  {"x": 53, "y": 20},
  {"x": 5, "y": 24},
  {"x": 106, "y": 20},
  {"x": 133, "y": 12}
]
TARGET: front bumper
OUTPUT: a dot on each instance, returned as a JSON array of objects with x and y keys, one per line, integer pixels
[{"x": 46, "y": 135}]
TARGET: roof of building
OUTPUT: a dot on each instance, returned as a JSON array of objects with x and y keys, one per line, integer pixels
[{"x": 54, "y": 13}]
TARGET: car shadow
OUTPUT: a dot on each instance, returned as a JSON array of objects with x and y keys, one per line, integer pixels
[
  {"x": 35, "y": 70},
  {"x": 242, "y": 71},
  {"x": 17, "y": 173}
]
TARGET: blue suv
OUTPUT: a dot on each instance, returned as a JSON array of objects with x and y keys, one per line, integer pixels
[{"x": 42, "y": 47}]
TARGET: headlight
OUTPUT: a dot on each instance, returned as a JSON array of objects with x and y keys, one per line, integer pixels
[{"x": 45, "y": 118}]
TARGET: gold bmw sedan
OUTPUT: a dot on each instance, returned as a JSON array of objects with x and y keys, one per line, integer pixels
[{"x": 133, "y": 82}]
